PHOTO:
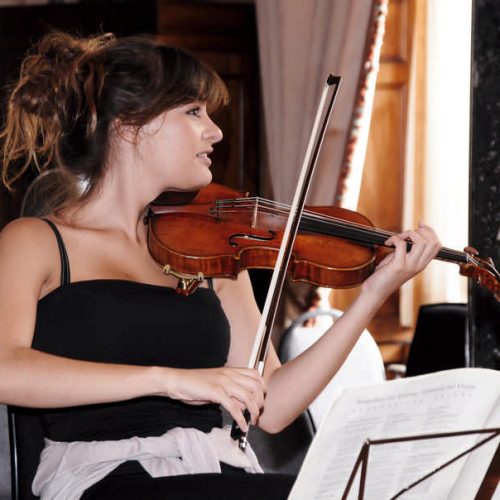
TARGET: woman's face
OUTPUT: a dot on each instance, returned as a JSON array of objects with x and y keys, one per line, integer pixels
[{"x": 175, "y": 147}]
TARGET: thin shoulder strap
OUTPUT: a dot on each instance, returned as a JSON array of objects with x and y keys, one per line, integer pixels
[
  {"x": 65, "y": 274},
  {"x": 210, "y": 283}
]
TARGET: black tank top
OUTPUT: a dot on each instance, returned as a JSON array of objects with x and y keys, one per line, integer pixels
[{"x": 126, "y": 322}]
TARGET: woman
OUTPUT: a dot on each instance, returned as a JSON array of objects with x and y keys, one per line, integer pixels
[{"x": 90, "y": 329}]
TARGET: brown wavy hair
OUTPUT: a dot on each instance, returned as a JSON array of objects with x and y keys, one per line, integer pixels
[{"x": 71, "y": 89}]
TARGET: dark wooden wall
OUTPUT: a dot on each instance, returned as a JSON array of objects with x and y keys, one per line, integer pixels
[
  {"x": 223, "y": 35},
  {"x": 20, "y": 27}
]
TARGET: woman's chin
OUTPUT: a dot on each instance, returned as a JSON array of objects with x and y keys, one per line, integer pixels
[
  {"x": 193, "y": 185},
  {"x": 205, "y": 181}
]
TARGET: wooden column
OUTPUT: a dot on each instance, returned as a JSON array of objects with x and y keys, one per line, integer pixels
[{"x": 484, "y": 191}]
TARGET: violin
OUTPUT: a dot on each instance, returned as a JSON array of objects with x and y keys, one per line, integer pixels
[{"x": 218, "y": 232}]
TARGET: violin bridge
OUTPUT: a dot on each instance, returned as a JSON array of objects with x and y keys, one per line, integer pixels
[{"x": 187, "y": 283}]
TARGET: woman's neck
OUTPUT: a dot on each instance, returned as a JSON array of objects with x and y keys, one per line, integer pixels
[{"x": 119, "y": 202}]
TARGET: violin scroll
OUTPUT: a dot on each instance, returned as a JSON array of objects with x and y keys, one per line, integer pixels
[{"x": 482, "y": 271}]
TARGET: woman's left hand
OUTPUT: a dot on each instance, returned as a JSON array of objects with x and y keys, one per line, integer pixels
[{"x": 401, "y": 265}]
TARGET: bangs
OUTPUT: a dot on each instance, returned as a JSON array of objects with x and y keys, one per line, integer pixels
[
  {"x": 212, "y": 90},
  {"x": 186, "y": 79}
]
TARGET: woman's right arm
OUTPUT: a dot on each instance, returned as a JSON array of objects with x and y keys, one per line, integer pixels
[{"x": 29, "y": 260}]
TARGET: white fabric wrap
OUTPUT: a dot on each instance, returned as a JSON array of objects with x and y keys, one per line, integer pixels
[{"x": 67, "y": 469}]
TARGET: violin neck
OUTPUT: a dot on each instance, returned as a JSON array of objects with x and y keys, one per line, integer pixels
[{"x": 368, "y": 236}]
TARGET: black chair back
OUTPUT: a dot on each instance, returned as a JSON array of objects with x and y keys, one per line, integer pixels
[
  {"x": 439, "y": 342},
  {"x": 26, "y": 444}
]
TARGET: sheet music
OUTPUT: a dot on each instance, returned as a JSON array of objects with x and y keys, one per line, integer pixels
[{"x": 453, "y": 400}]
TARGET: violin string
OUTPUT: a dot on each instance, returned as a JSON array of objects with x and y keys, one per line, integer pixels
[
  {"x": 368, "y": 234},
  {"x": 281, "y": 209},
  {"x": 365, "y": 235},
  {"x": 311, "y": 216},
  {"x": 324, "y": 218},
  {"x": 259, "y": 205},
  {"x": 273, "y": 208}
]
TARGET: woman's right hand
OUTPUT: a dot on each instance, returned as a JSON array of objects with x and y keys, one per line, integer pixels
[{"x": 236, "y": 389}]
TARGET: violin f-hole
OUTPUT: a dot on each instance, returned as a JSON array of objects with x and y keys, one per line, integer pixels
[{"x": 254, "y": 237}]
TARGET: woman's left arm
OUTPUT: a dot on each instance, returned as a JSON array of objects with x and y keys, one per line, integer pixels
[{"x": 293, "y": 386}]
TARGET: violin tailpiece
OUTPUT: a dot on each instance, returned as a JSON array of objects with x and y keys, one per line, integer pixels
[{"x": 187, "y": 283}]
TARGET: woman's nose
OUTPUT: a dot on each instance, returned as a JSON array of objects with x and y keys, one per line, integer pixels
[{"x": 213, "y": 132}]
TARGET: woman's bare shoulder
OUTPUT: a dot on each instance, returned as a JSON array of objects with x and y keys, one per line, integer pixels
[
  {"x": 25, "y": 230},
  {"x": 28, "y": 245}
]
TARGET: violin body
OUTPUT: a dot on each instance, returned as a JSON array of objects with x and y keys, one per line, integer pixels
[{"x": 222, "y": 239}]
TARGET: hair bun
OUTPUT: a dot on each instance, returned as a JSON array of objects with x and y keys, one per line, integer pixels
[
  {"x": 56, "y": 71},
  {"x": 44, "y": 73},
  {"x": 56, "y": 95},
  {"x": 61, "y": 48}
]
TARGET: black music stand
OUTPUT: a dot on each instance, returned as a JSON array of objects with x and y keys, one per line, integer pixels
[{"x": 488, "y": 484}]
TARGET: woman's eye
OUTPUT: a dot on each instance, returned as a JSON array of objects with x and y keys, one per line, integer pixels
[{"x": 195, "y": 111}]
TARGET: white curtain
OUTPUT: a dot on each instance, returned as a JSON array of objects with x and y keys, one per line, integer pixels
[
  {"x": 447, "y": 152},
  {"x": 301, "y": 42},
  {"x": 444, "y": 176}
]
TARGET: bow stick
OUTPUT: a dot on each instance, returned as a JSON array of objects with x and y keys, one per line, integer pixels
[{"x": 263, "y": 335}]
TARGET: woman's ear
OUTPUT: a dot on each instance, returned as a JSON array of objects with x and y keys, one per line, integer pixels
[{"x": 127, "y": 133}]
